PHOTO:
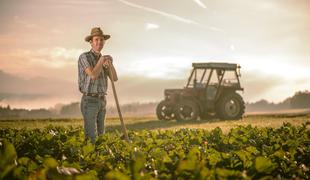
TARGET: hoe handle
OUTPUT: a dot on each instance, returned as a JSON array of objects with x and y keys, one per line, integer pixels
[{"x": 117, "y": 104}]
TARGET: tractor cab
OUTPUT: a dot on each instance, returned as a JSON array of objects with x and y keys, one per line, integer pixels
[{"x": 212, "y": 78}]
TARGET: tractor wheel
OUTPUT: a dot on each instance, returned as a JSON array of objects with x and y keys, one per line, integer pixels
[
  {"x": 186, "y": 110},
  {"x": 230, "y": 106},
  {"x": 164, "y": 111}
]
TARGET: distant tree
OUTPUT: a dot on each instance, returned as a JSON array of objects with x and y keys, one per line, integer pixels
[
  {"x": 39, "y": 113},
  {"x": 286, "y": 104},
  {"x": 301, "y": 99},
  {"x": 262, "y": 103},
  {"x": 72, "y": 109}
]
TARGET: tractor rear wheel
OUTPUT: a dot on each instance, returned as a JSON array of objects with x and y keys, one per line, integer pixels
[
  {"x": 230, "y": 106},
  {"x": 186, "y": 110},
  {"x": 164, "y": 111}
]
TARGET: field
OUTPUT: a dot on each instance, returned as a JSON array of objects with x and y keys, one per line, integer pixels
[
  {"x": 258, "y": 146},
  {"x": 151, "y": 123}
]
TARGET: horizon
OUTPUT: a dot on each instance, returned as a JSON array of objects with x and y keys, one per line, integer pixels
[
  {"x": 112, "y": 105},
  {"x": 153, "y": 45}
]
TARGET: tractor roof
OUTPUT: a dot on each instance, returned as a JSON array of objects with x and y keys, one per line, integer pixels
[{"x": 228, "y": 66}]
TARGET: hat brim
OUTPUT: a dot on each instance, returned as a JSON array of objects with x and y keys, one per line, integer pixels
[{"x": 105, "y": 37}]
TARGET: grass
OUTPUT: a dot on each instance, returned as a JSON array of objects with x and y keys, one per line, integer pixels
[{"x": 151, "y": 123}]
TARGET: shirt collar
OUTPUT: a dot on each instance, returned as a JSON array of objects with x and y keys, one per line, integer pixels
[{"x": 95, "y": 54}]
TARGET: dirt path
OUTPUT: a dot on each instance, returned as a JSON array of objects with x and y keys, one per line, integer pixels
[{"x": 151, "y": 123}]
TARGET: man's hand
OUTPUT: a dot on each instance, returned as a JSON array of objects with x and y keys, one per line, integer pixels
[{"x": 107, "y": 60}]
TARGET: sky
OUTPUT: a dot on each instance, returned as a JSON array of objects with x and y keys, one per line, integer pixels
[{"x": 153, "y": 44}]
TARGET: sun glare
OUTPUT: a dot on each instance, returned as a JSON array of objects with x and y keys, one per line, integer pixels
[{"x": 164, "y": 67}]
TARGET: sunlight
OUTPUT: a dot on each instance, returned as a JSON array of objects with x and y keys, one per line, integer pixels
[
  {"x": 151, "y": 26},
  {"x": 163, "y": 67},
  {"x": 280, "y": 68}
]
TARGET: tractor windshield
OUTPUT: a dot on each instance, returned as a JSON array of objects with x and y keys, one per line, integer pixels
[
  {"x": 201, "y": 77},
  {"x": 198, "y": 78},
  {"x": 230, "y": 78}
]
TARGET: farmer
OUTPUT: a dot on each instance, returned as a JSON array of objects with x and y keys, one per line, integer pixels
[{"x": 93, "y": 70}]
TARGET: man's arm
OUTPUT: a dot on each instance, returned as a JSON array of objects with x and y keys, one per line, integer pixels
[{"x": 94, "y": 72}]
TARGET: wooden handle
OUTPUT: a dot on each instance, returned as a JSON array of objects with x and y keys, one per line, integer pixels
[{"x": 117, "y": 104}]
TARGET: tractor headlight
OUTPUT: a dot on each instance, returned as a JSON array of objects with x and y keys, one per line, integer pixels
[{"x": 168, "y": 96}]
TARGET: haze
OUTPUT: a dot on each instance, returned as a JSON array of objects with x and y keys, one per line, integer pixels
[{"x": 153, "y": 44}]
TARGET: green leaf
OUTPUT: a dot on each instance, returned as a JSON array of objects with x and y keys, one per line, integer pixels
[
  {"x": 7, "y": 153},
  {"x": 87, "y": 149},
  {"x": 225, "y": 173},
  {"x": 23, "y": 161},
  {"x": 264, "y": 165},
  {"x": 50, "y": 163},
  {"x": 7, "y": 158},
  {"x": 137, "y": 163},
  {"x": 252, "y": 150},
  {"x": 113, "y": 175},
  {"x": 214, "y": 157},
  {"x": 186, "y": 165}
]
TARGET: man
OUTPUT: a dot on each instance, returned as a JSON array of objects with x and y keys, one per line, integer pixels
[{"x": 93, "y": 70}]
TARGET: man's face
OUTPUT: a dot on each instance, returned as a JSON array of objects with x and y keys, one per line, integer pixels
[{"x": 97, "y": 43}]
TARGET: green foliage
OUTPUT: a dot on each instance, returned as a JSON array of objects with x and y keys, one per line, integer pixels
[{"x": 243, "y": 153}]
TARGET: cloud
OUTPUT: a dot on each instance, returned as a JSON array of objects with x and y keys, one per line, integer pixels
[
  {"x": 25, "y": 23},
  {"x": 22, "y": 97},
  {"x": 61, "y": 52},
  {"x": 171, "y": 16},
  {"x": 168, "y": 15},
  {"x": 38, "y": 92},
  {"x": 201, "y": 4},
  {"x": 55, "y": 57},
  {"x": 56, "y": 62},
  {"x": 232, "y": 47},
  {"x": 12, "y": 84},
  {"x": 151, "y": 26},
  {"x": 82, "y": 2},
  {"x": 57, "y": 31}
]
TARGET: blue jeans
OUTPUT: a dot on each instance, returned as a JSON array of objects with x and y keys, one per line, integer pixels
[{"x": 93, "y": 110}]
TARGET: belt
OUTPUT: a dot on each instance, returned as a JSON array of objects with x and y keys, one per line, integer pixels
[{"x": 94, "y": 95}]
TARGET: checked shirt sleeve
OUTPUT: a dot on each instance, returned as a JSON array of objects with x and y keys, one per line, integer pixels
[{"x": 83, "y": 62}]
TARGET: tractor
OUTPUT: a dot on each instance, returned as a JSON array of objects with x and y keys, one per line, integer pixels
[{"x": 211, "y": 91}]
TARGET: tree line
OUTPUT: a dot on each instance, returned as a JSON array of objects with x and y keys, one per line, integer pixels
[{"x": 300, "y": 99}]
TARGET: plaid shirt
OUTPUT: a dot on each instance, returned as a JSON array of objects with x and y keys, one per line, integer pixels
[{"x": 86, "y": 84}]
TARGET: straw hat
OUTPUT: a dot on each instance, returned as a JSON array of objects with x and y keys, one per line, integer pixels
[{"x": 96, "y": 31}]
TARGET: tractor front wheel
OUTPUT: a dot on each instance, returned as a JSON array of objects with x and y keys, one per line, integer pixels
[
  {"x": 186, "y": 110},
  {"x": 164, "y": 111}
]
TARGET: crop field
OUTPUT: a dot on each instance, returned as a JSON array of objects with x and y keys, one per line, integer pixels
[{"x": 258, "y": 146}]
